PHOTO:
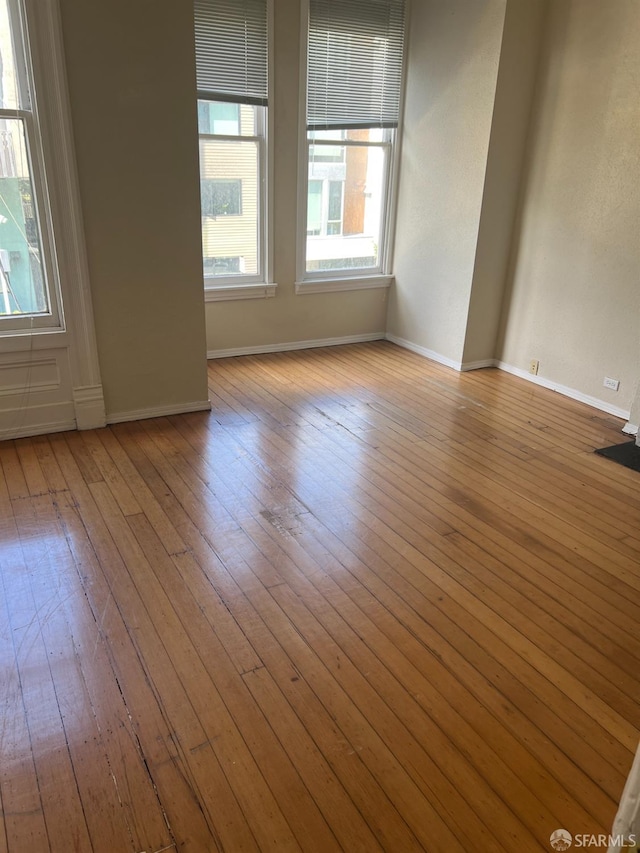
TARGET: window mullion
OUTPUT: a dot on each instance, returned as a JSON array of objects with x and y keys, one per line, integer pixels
[
  {"x": 222, "y": 137},
  {"x": 353, "y": 143}
]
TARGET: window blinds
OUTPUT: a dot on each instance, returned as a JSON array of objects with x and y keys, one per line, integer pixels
[
  {"x": 231, "y": 50},
  {"x": 354, "y": 66}
]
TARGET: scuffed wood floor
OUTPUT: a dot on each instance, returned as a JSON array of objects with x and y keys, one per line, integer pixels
[{"x": 364, "y": 604}]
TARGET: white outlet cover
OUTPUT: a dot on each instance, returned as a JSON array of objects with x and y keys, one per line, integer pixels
[{"x": 614, "y": 384}]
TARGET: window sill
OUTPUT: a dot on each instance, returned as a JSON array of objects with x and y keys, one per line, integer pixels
[
  {"x": 226, "y": 292},
  {"x": 39, "y": 338},
  {"x": 331, "y": 285}
]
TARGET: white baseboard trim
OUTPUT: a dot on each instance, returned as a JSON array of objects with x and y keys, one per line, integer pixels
[
  {"x": 294, "y": 345},
  {"x": 38, "y": 419},
  {"x": 159, "y": 411},
  {"x": 89, "y": 406},
  {"x": 423, "y": 351},
  {"x": 630, "y": 429},
  {"x": 7, "y": 433},
  {"x": 477, "y": 365},
  {"x": 595, "y": 402},
  {"x": 332, "y": 285}
]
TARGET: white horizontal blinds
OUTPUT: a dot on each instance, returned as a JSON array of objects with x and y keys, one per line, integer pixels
[
  {"x": 354, "y": 68},
  {"x": 231, "y": 50}
]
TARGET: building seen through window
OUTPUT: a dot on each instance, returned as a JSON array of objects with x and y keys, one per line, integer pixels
[
  {"x": 345, "y": 200},
  {"x": 229, "y": 182}
]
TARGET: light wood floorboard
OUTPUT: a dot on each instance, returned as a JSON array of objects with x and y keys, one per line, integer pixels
[{"x": 366, "y": 603}]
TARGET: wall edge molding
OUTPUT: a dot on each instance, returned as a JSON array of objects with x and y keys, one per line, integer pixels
[
  {"x": 88, "y": 401},
  {"x": 61, "y": 173}
]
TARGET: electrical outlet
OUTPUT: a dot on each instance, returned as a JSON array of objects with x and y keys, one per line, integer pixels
[
  {"x": 534, "y": 364},
  {"x": 613, "y": 384}
]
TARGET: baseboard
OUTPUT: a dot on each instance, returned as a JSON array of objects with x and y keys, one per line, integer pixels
[
  {"x": 477, "y": 365},
  {"x": 23, "y": 421},
  {"x": 7, "y": 433},
  {"x": 159, "y": 411},
  {"x": 630, "y": 429},
  {"x": 595, "y": 402},
  {"x": 89, "y": 406},
  {"x": 423, "y": 351},
  {"x": 295, "y": 345}
]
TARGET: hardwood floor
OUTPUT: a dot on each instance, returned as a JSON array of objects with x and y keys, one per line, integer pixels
[{"x": 364, "y": 604}]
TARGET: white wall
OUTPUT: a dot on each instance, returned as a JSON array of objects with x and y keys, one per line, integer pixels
[{"x": 574, "y": 301}]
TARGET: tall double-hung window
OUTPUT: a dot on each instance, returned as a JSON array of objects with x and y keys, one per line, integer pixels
[
  {"x": 232, "y": 78},
  {"x": 355, "y": 51},
  {"x": 29, "y": 296}
]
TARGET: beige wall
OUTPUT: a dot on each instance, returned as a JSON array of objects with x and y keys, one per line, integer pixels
[
  {"x": 573, "y": 297},
  {"x": 518, "y": 226},
  {"x": 510, "y": 126},
  {"x": 454, "y": 53},
  {"x": 131, "y": 71},
  {"x": 574, "y": 302},
  {"x": 471, "y": 77},
  {"x": 288, "y": 317}
]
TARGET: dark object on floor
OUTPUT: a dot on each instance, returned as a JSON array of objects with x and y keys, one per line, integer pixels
[{"x": 627, "y": 454}]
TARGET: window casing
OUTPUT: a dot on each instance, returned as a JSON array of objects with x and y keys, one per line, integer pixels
[
  {"x": 232, "y": 166},
  {"x": 231, "y": 57},
  {"x": 353, "y": 94},
  {"x": 29, "y": 282}
]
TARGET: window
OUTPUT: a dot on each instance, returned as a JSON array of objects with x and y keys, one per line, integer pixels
[
  {"x": 221, "y": 198},
  {"x": 223, "y": 266},
  {"x": 314, "y": 208},
  {"x": 231, "y": 59},
  {"x": 28, "y": 283},
  {"x": 354, "y": 73},
  {"x": 326, "y": 153},
  {"x": 219, "y": 118},
  {"x": 325, "y": 201},
  {"x": 334, "y": 212}
]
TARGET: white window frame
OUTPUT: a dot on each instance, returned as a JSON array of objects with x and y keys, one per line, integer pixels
[
  {"x": 242, "y": 284},
  {"x": 225, "y": 288},
  {"x": 325, "y": 281},
  {"x": 53, "y": 319},
  {"x": 69, "y": 338}
]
